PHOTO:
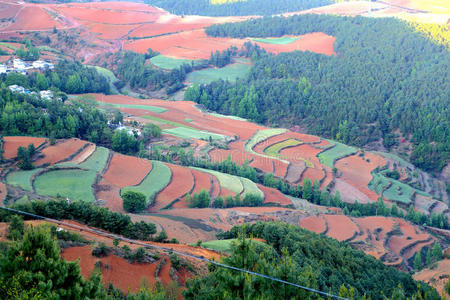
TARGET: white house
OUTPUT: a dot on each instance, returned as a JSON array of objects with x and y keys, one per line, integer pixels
[
  {"x": 16, "y": 88},
  {"x": 40, "y": 64},
  {"x": 3, "y": 68},
  {"x": 46, "y": 94},
  {"x": 19, "y": 64},
  {"x": 129, "y": 130}
]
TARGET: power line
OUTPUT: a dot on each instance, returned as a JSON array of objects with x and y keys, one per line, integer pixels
[{"x": 201, "y": 258}]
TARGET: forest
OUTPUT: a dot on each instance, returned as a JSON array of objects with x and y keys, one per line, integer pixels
[
  {"x": 300, "y": 256},
  {"x": 235, "y": 8},
  {"x": 375, "y": 87}
]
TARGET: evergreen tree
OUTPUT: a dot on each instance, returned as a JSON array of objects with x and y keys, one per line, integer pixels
[
  {"x": 418, "y": 261},
  {"x": 437, "y": 251},
  {"x": 307, "y": 191}
]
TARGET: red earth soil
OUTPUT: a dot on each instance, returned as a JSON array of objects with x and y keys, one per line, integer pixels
[
  {"x": 202, "y": 181},
  {"x": 83, "y": 155},
  {"x": 122, "y": 274},
  {"x": 33, "y": 17},
  {"x": 436, "y": 276},
  {"x": 323, "y": 143},
  {"x": 127, "y": 170},
  {"x": 274, "y": 196},
  {"x": 2, "y": 192},
  {"x": 316, "y": 224},
  {"x": 12, "y": 143},
  {"x": 60, "y": 151},
  {"x": 397, "y": 243},
  {"x": 109, "y": 31},
  {"x": 110, "y": 194},
  {"x": 224, "y": 192},
  {"x": 313, "y": 174},
  {"x": 8, "y": 10},
  {"x": 349, "y": 192},
  {"x": 215, "y": 187},
  {"x": 181, "y": 183},
  {"x": 264, "y": 164},
  {"x": 378, "y": 227},
  {"x": 301, "y": 152},
  {"x": 356, "y": 170},
  {"x": 340, "y": 227},
  {"x": 328, "y": 177},
  {"x": 153, "y": 29},
  {"x": 295, "y": 171},
  {"x": 317, "y": 42},
  {"x": 260, "y": 210},
  {"x": 238, "y": 156},
  {"x": 280, "y": 168},
  {"x": 164, "y": 272},
  {"x": 107, "y": 16}
]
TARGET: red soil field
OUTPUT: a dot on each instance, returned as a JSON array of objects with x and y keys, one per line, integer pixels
[
  {"x": 8, "y": 10},
  {"x": 280, "y": 168},
  {"x": 116, "y": 6},
  {"x": 83, "y": 155},
  {"x": 238, "y": 156},
  {"x": 2, "y": 192},
  {"x": 224, "y": 192},
  {"x": 99, "y": 15},
  {"x": 295, "y": 171},
  {"x": 127, "y": 170},
  {"x": 300, "y": 152},
  {"x": 436, "y": 276},
  {"x": 397, "y": 243},
  {"x": 323, "y": 143},
  {"x": 316, "y": 224},
  {"x": 274, "y": 196},
  {"x": 340, "y": 227},
  {"x": 263, "y": 163},
  {"x": 202, "y": 181},
  {"x": 181, "y": 183},
  {"x": 164, "y": 273},
  {"x": 121, "y": 273},
  {"x": 260, "y": 210},
  {"x": 12, "y": 143},
  {"x": 110, "y": 194},
  {"x": 33, "y": 17},
  {"x": 60, "y": 151},
  {"x": 216, "y": 188},
  {"x": 355, "y": 170},
  {"x": 153, "y": 29},
  {"x": 378, "y": 227},
  {"x": 328, "y": 177},
  {"x": 313, "y": 174},
  {"x": 349, "y": 192},
  {"x": 110, "y": 32},
  {"x": 317, "y": 42}
]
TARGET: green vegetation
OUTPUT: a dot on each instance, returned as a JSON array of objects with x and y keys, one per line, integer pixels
[
  {"x": 251, "y": 188},
  {"x": 176, "y": 124},
  {"x": 109, "y": 75},
  {"x": 188, "y": 120},
  {"x": 188, "y": 133},
  {"x": 260, "y": 136},
  {"x": 227, "y": 117},
  {"x": 22, "y": 179},
  {"x": 277, "y": 41},
  {"x": 300, "y": 256},
  {"x": 230, "y": 73},
  {"x": 155, "y": 181},
  {"x": 230, "y": 182},
  {"x": 133, "y": 202},
  {"x": 97, "y": 160},
  {"x": 330, "y": 155},
  {"x": 154, "y": 109},
  {"x": 200, "y": 200},
  {"x": 275, "y": 149},
  {"x": 168, "y": 63},
  {"x": 222, "y": 245},
  {"x": 73, "y": 184}
]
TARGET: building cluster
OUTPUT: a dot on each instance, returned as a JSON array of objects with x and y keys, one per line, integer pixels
[
  {"x": 47, "y": 95},
  {"x": 20, "y": 66}
]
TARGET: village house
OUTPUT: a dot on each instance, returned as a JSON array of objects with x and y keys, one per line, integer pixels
[
  {"x": 40, "y": 64},
  {"x": 3, "y": 69},
  {"x": 17, "y": 89},
  {"x": 46, "y": 95}
]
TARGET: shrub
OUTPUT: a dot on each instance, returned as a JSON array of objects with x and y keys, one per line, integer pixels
[{"x": 133, "y": 201}]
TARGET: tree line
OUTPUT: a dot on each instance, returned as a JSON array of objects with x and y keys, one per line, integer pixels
[{"x": 384, "y": 77}]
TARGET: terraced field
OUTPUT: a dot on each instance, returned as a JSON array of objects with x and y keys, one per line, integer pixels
[
  {"x": 329, "y": 156},
  {"x": 187, "y": 133},
  {"x": 73, "y": 184},
  {"x": 275, "y": 149},
  {"x": 168, "y": 63},
  {"x": 231, "y": 73},
  {"x": 261, "y": 136},
  {"x": 277, "y": 40},
  {"x": 22, "y": 179},
  {"x": 154, "y": 182}
]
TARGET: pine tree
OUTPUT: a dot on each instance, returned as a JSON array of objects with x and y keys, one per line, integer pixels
[
  {"x": 437, "y": 251},
  {"x": 307, "y": 191},
  {"x": 418, "y": 261},
  {"x": 429, "y": 259}
]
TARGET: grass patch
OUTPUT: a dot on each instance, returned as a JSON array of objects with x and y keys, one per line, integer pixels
[
  {"x": 277, "y": 40},
  {"x": 188, "y": 120},
  {"x": 275, "y": 149},
  {"x": 155, "y": 181},
  {"x": 224, "y": 245},
  {"x": 251, "y": 188},
  {"x": 168, "y": 63},
  {"x": 22, "y": 179},
  {"x": 74, "y": 184},
  {"x": 230, "y": 182},
  {"x": 227, "y": 117},
  {"x": 329, "y": 156},
  {"x": 189, "y": 133},
  {"x": 154, "y": 109},
  {"x": 260, "y": 136},
  {"x": 97, "y": 160},
  {"x": 230, "y": 73}
]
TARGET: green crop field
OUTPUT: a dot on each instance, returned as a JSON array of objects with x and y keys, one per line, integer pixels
[
  {"x": 278, "y": 40},
  {"x": 230, "y": 182},
  {"x": 176, "y": 124},
  {"x": 74, "y": 184},
  {"x": 260, "y": 136},
  {"x": 230, "y": 73},
  {"x": 168, "y": 63},
  {"x": 251, "y": 188},
  {"x": 97, "y": 160},
  {"x": 329, "y": 156},
  {"x": 109, "y": 76},
  {"x": 188, "y": 133},
  {"x": 22, "y": 179},
  {"x": 155, "y": 181},
  {"x": 154, "y": 109},
  {"x": 227, "y": 117},
  {"x": 223, "y": 245},
  {"x": 275, "y": 149},
  {"x": 188, "y": 120}
]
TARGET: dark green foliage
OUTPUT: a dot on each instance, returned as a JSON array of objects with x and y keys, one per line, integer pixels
[
  {"x": 175, "y": 261},
  {"x": 151, "y": 131},
  {"x": 28, "y": 53},
  {"x": 133, "y": 202},
  {"x": 385, "y": 77},
  {"x": 28, "y": 115},
  {"x": 92, "y": 216},
  {"x": 302, "y": 257},
  {"x": 237, "y": 8},
  {"x": 199, "y": 200},
  {"x": 161, "y": 237},
  {"x": 437, "y": 251},
  {"x": 24, "y": 157},
  {"x": 16, "y": 228},
  {"x": 124, "y": 142},
  {"x": 394, "y": 174},
  {"x": 221, "y": 59},
  {"x": 418, "y": 261}
]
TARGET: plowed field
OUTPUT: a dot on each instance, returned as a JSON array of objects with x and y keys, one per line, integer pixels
[
  {"x": 12, "y": 143},
  {"x": 126, "y": 170},
  {"x": 60, "y": 151}
]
